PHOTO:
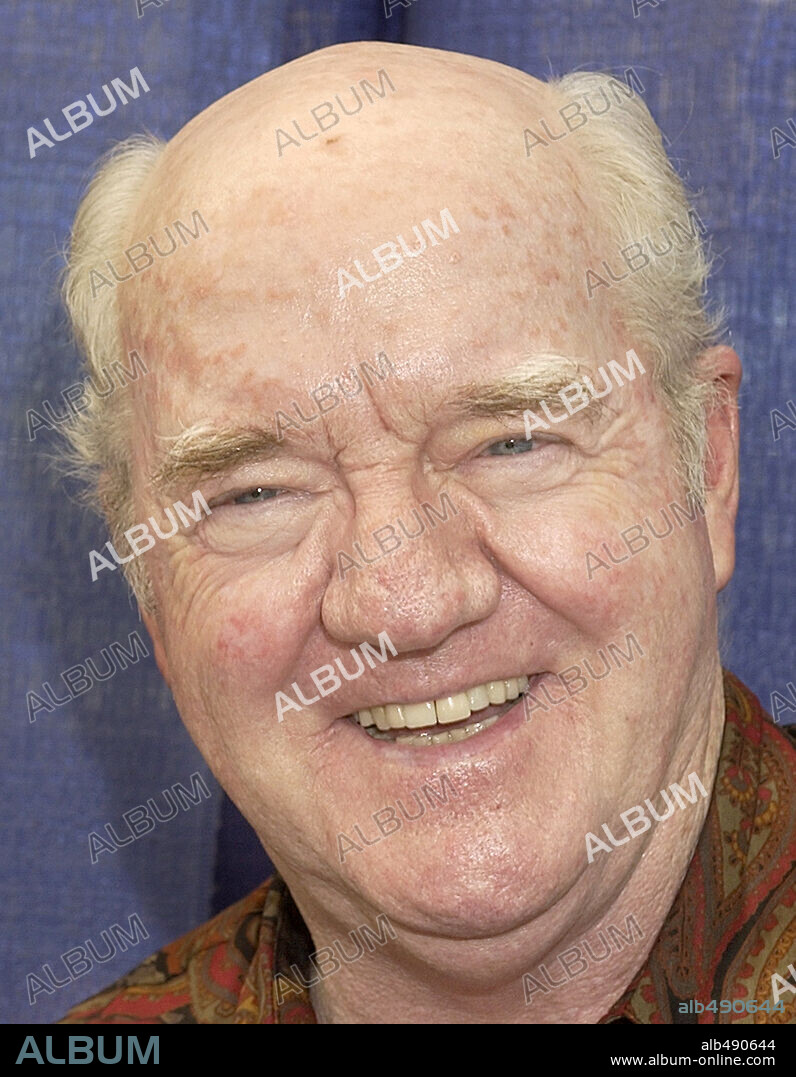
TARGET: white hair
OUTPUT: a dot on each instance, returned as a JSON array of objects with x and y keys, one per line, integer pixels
[
  {"x": 98, "y": 452},
  {"x": 664, "y": 306}
]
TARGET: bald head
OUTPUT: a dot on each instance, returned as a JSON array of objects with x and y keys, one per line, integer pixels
[
  {"x": 342, "y": 104},
  {"x": 294, "y": 190}
]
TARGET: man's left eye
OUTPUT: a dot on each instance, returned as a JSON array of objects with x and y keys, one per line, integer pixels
[
  {"x": 510, "y": 447},
  {"x": 256, "y": 495}
]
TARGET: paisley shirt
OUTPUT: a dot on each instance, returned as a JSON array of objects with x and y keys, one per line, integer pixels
[{"x": 730, "y": 934}]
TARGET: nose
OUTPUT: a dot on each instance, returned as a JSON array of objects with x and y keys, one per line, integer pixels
[{"x": 411, "y": 566}]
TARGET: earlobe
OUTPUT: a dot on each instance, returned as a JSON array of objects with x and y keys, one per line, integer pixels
[
  {"x": 153, "y": 628},
  {"x": 721, "y": 459}
]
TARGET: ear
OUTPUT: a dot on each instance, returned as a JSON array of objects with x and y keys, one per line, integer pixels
[
  {"x": 721, "y": 460},
  {"x": 153, "y": 628}
]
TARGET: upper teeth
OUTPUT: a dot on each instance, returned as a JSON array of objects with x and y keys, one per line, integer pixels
[{"x": 442, "y": 711}]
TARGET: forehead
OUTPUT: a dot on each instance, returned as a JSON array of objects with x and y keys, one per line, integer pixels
[{"x": 261, "y": 290}]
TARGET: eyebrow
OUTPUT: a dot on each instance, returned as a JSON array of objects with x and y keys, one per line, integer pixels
[
  {"x": 537, "y": 380},
  {"x": 203, "y": 451}
]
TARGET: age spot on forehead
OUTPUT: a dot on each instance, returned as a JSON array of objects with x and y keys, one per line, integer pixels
[
  {"x": 506, "y": 211},
  {"x": 548, "y": 275}
]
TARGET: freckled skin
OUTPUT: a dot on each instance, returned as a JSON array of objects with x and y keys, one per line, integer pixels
[{"x": 248, "y": 319}]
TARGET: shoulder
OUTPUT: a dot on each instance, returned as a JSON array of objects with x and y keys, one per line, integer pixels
[
  {"x": 751, "y": 870},
  {"x": 193, "y": 979}
]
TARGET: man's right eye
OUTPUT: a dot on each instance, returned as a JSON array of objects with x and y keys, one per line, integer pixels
[{"x": 510, "y": 447}]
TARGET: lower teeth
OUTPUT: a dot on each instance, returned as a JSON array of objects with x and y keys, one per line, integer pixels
[{"x": 446, "y": 736}]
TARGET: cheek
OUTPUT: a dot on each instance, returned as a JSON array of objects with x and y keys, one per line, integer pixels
[
  {"x": 232, "y": 653},
  {"x": 254, "y": 644},
  {"x": 574, "y": 560},
  {"x": 242, "y": 640}
]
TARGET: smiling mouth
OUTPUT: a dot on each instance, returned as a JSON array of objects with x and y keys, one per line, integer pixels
[{"x": 442, "y": 721}]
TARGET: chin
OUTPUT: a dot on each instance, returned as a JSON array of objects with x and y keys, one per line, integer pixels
[{"x": 478, "y": 893}]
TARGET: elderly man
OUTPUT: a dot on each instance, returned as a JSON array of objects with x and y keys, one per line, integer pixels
[{"x": 447, "y": 631}]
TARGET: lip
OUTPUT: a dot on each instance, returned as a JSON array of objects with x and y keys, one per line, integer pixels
[
  {"x": 440, "y": 694},
  {"x": 354, "y": 738}
]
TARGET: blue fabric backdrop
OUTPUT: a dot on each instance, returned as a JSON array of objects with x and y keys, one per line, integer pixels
[{"x": 718, "y": 77}]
